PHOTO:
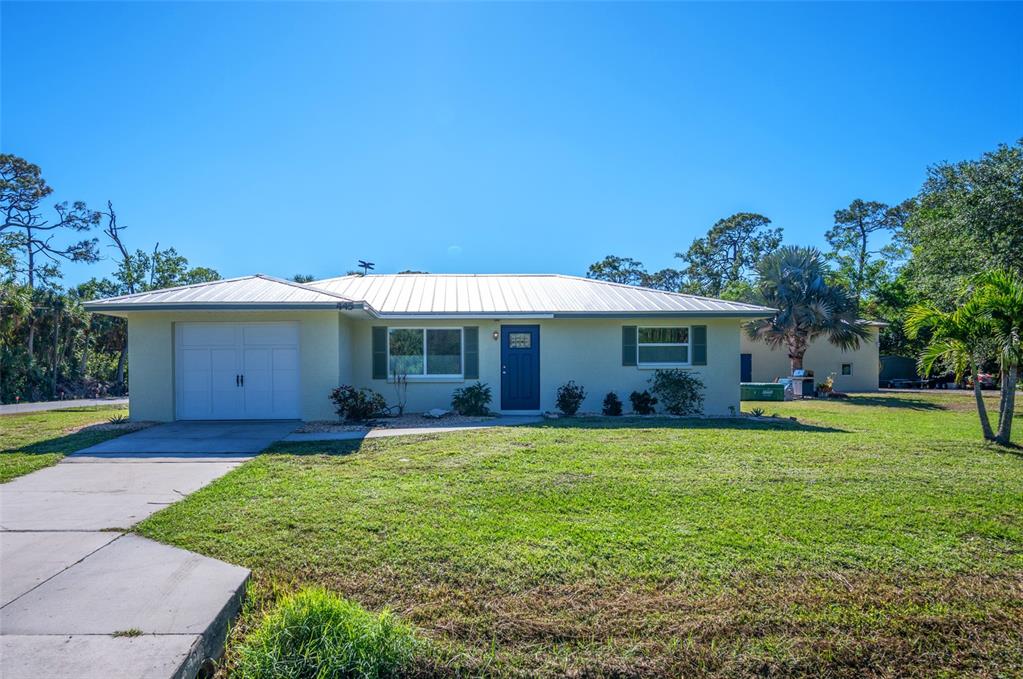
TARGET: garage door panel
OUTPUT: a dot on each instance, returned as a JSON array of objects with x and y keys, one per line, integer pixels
[{"x": 263, "y": 355}]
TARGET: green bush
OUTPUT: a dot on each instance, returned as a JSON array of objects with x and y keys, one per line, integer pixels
[
  {"x": 316, "y": 634},
  {"x": 680, "y": 391},
  {"x": 642, "y": 402},
  {"x": 612, "y": 404},
  {"x": 570, "y": 397},
  {"x": 357, "y": 405},
  {"x": 472, "y": 400}
]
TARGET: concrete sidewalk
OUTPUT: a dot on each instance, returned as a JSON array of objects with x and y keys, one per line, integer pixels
[
  {"x": 386, "y": 432},
  {"x": 39, "y": 406},
  {"x": 72, "y": 583}
]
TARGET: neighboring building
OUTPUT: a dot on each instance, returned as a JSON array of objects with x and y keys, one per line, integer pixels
[
  {"x": 258, "y": 347},
  {"x": 856, "y": 370}
]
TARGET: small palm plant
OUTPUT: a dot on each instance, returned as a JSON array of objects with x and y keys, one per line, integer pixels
[{"x": 792, "y": 280}]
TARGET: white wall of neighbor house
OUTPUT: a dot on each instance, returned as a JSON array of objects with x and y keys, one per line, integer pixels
[
  {"x": 151, "y": 357},
  {"x": 823, "y": 358},
  {"x": 588, "y": 351}
]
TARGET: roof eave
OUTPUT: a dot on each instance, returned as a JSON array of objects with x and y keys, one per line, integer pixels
[{"x": 102, "y": 307}]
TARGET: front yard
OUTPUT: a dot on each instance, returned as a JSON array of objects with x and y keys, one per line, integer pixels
[
  {"x": 875, "y": 536},
  {"x": 31, "y": 441}
]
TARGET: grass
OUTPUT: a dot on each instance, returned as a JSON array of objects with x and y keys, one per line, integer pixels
[
  {"x": 873, "y": 537},
  {"x": 315, "y": 633},
  {"x": 31, "y": 441}
]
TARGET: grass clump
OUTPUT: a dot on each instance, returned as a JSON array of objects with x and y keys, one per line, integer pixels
[{"x": 316, "y": 634}]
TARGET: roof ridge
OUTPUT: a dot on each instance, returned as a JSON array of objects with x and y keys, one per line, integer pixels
[{"x": 303, "y": 286}]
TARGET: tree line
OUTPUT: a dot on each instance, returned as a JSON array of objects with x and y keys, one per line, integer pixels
[
  {"x": 50, "y": 347},
  {"x": 967, "y": 218}
]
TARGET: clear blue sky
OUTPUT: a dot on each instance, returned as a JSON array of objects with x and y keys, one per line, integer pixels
[{"x": 297, "y": 138}]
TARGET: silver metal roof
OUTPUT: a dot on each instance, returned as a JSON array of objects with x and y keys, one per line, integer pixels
[
  {"x": 252, "y": 292},
  {"x": 434, "y": 295},
  {"x": 527, "y": 294}
]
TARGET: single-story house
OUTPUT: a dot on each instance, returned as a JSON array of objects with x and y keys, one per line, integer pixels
[
  {"x": 854, "y": 370},
  {"x": 258, "y": 347}
]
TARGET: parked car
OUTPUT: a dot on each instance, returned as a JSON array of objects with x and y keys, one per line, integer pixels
[{"x": 986, "y": 380}]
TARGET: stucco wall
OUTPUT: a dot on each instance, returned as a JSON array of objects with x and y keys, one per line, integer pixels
[
  {"x": 586, "y": 350},
  {"x": 823, "y": 358},
  {"x": 151, "y": 358}
]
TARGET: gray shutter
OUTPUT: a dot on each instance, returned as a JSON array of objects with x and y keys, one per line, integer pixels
[
  {"x": 471, "y": 352},
  {"x": 379, "y": 352},
  {"x": 628, "y": 345},
  {"x": 699, "y": 344}
]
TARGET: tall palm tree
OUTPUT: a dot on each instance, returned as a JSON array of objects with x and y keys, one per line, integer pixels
[
  {"x": 999, "y": 298},
  {"x": 792, "y": 280},
  {"x": 959, "y": 341}
]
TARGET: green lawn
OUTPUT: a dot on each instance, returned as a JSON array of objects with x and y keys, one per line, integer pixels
[
  {"x": 31, "y": 441},
  {"x": 874, "y": 536}
]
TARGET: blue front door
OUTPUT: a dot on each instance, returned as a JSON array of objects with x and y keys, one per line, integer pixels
[
  {"x": 745, "y": 367},
  {"x": 520, "y": 367}
]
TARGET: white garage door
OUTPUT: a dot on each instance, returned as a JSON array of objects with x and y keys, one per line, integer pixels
[{"x": 237, "y": 371}]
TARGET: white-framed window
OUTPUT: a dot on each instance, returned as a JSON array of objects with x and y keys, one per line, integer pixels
[
  {"x": 425, "y": 352},
  {"x": 662, "y": 345},
  {"x": 847, "y": 368}
]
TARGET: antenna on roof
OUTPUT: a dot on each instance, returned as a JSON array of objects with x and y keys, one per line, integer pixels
[{"x": 366, "y": 266}]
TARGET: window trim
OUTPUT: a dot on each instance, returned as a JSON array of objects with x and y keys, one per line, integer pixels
[
  {"x": 688, "y": 344},
  {"x": 841, "y": 370},
  {"x": 425, "y": 376}
]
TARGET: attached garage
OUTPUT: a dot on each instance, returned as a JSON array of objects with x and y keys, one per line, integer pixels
[{"x": 237, "y": 371}]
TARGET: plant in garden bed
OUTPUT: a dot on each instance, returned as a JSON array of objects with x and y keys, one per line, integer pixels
[
  {"x": 642, "y": 402},
  {"x": 570, "y": 397},
  {"x": 612, "y": 405},
  {"x": 472, "y": 400},
  {"x": 357, "y": 405},
  {"x": 316, "y": 633},
  {"x": 680, "y": 391}
]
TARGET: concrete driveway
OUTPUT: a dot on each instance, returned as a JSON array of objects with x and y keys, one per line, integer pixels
[
  {"x": 72, "y": 581},
  {"x": 189, "y": 438}
]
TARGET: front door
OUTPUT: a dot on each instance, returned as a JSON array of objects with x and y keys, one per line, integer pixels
[{"x": 520, "y": 367}]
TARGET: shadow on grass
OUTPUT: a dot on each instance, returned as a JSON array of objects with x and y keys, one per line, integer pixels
[
  {"x": 66, "y": 444},
  {"x": 737, "y": 423},
  {"x": 891, "y": 402}
]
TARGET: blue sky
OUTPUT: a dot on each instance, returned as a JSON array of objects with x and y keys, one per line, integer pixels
[{"x": 296, "y": 138}]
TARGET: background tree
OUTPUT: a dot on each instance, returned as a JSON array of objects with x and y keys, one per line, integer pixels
[
  {"x": 728, "y": 253},
  {"x": 855, "y": 256},
  {"x": 669, "y": 280},
  {"x": 303, "y": 278},
  {"x": 616, "y": 269},
  {"x": 969, "y": 218},
  {"x": 792, "y": 280}
]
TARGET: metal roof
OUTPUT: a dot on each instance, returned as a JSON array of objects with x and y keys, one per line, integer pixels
[
  {"x": 527, "y": 294},
  {"x": 250, "y": 292},
  {"x": 434, "y": 295}
]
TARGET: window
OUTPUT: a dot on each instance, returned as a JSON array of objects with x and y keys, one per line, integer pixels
[
  {"x": 847, "y": 368},
  {"x": 663, "y": 346},
  {"x": 424, "y": 352},
  {"x": 520, "y": 340}
]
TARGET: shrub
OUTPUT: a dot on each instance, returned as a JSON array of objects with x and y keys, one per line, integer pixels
[
  {"x": 642, "y": 402},
  {"x": 612, "y": 404},
  {"x": 472, "y": 400},
  {"x": 757, "y": 412},
  {"x": 357, "y": 405},
  {"x": 680, "y": 391},
  {"x": 570, "y": 397},
  {"x": 316, "y": 633}
]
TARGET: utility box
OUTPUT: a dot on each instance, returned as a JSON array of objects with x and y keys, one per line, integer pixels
[{"x": 761, "y": 391}]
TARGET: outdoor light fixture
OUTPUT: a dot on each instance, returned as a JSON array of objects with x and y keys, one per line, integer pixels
[{"x": 496, "y": 335}]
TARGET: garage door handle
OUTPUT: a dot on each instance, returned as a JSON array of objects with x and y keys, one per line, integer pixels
[
  {"x": 237, "y": 380},
  {"x": 243, "y": 379}
]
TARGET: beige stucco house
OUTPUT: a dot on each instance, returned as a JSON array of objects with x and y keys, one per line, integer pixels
[
  {"x": 854, "y": 370},
  {"x": 258, "y": 347}
]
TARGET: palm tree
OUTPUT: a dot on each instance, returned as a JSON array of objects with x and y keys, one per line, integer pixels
[
  {"x": 958, "y": 341},
  {"x": 792, "y": 280},
  {"x": 999, "y": 298}
]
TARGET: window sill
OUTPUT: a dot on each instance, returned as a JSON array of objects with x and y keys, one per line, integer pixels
[
  {"x": 416, "y": 379},
  {"x": 664, "y": 366}
]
